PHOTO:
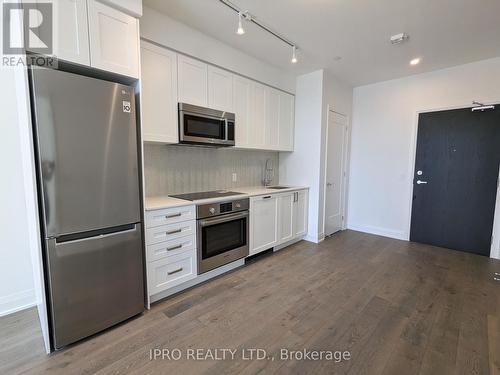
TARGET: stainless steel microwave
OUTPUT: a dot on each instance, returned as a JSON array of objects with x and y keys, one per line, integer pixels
[{"x": 205, "y": 127}]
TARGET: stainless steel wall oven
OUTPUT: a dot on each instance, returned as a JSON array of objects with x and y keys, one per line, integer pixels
[{"x": 222, "y": 233}]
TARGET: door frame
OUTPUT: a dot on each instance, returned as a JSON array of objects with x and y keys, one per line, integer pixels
[
  {"x": 495, "y": 245},
  {"x": 345, "y": 160}
]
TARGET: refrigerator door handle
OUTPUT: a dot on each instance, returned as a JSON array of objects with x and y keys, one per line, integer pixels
[{"x": 109, "y": 232}]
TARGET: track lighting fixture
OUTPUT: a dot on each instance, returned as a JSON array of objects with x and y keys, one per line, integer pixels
[
  {"x": 294, "y": 55},
  {"x": 253, "y": 19},
  {"x": 240, "y": 30}
]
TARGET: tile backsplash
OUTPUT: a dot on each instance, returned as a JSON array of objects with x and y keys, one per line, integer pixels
[{"x": 182, "y": 169}]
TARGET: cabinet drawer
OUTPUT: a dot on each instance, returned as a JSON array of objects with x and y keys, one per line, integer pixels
[
  {"x": 171, "y": 271},
  {"x": 170, "y": 248},
  {"x": 170, "y": 216},
  {"x": 170, "y": 232}
]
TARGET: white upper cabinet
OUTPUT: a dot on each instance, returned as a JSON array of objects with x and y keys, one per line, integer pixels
[
  {"x": 71, "y": 31},
  {"x": 242, "y": 91},
  {"x": 264, "y": 115},
  {"x": 159, "y": 94},
  {"x": 258, "y": 114},
  {"x": 133, "y": 7},
  {"x": 192, "y": 81},
  {"x": 220, "y": 89},
  {"x": 114, "y": 40},
  {"x": 271, "y": 125},
  {"x": 286, "y": 121}
]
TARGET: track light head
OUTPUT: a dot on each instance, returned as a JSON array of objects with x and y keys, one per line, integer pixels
[
  {"x": 294, "y": 55},
  {"x": 240, "y": 30}
]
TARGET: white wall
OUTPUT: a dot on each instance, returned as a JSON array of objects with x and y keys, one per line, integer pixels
[
  {"x": 383, "y": 136},
  {"x": 16, "y": 280},
  {"x": 303, "y": 166},
  {"x": 315, "y": 93},
  {"x": 173, "y": 34}
]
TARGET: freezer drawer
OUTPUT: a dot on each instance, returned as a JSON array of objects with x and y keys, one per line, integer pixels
[{"x": 94, "y": 283}]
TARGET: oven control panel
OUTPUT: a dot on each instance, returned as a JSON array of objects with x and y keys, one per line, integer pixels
[{"x": 221, "y": 208}]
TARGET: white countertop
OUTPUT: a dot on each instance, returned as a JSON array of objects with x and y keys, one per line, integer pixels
[{"x": 161, "y": 202}]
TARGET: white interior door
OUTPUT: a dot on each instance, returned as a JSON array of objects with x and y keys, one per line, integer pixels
[{"x": 334, "y": 189}]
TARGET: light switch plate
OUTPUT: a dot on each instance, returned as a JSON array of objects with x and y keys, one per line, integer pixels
[{"x": 235, "y": 177}]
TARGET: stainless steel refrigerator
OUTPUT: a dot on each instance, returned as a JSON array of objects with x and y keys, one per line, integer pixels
[{"x": 87, "y": 164}]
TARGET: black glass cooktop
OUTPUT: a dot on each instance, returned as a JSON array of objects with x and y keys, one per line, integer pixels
[{"x": 206, "y": 195}]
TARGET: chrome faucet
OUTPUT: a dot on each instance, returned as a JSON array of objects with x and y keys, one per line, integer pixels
[{"x": 268, "y": 173}]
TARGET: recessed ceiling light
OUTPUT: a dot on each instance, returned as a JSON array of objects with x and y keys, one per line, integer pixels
[{"x": 415, "y": 61}]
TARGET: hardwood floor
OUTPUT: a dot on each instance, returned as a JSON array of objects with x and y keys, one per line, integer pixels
[{"x": 396, "y": 307}]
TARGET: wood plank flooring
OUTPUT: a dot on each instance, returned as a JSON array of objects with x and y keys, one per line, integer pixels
[{"x": 396, "y": 307}]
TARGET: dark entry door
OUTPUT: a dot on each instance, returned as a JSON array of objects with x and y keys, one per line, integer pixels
[{"x": 455, "y": 181}]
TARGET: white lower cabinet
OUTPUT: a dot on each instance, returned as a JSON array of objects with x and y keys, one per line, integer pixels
[
  {"x": 277, "y": 219},
  {"x": 170, "y": 248},
  {"x": 300, "y": 212},
  {"x": 171, "y": 271},
  {"x": 286, "y": 205},
  {"x": 263, "y": 223}
]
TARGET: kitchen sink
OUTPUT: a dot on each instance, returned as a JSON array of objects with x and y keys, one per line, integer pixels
[{"x": 278, "y": 187}]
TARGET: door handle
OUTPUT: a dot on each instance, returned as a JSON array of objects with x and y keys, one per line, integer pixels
[
  {"x": 329, "y": 184},
  {"x": 421, "y": 182}
]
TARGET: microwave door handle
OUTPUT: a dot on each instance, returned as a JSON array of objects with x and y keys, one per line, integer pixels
[
  {"x": 226, "y": 128},
  {"x": 223, "y": 219}
]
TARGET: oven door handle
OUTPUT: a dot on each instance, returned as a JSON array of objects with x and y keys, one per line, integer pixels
[{"x": 223, "y": 219}]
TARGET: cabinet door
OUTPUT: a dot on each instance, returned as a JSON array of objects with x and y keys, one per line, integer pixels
[
  {"x": 271, "y": 129},
  {"x": 286, "y": 207},
  {"x": 300, "y": 214},
  {"x": 256, "y": 129},
  {"x": 114, "y": 40},
  {"x": 133, "y": 7},
  {"x": 71, "y": 31},
  {"x": 286, "y": 122},
  {"x": 220, "y": 89},
  {"x": 192, "y": 81},
  {"x": 263, "y": 223},
  {"x": 242, "y": 91},
  {"x": 159, "y": 94}
]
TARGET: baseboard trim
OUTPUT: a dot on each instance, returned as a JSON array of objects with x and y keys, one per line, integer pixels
[
  {"x": 315, "y": 239},
  {"x": 385, "y": 232},
  {"x": 17, "y": 302}
]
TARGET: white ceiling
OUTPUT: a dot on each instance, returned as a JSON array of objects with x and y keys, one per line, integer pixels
[{"x": 443, "y": 33}]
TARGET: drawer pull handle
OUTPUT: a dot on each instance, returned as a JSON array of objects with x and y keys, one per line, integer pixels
[
  {"x": 174, "y": 247},
  {"x": 267, "y": 197},
  {"x": 175, "y": 271},
  {"x": 174, "y": 231},
  {"x": 173, "y": 215}
]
